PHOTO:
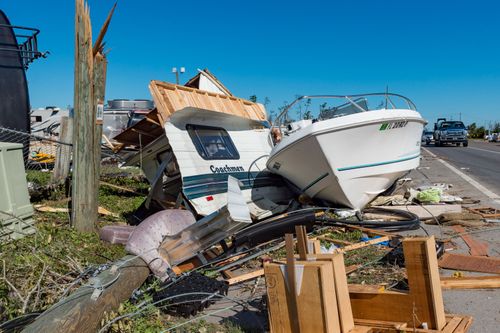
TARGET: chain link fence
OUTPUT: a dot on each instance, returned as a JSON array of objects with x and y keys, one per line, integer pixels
[{"x": 39, "y": 151}]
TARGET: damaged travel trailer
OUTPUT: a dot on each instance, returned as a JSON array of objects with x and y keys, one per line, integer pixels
[{"x": 194, "y": 140}]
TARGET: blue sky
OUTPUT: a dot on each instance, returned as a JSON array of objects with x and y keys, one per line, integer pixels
[{"x": 444, "y": 55}]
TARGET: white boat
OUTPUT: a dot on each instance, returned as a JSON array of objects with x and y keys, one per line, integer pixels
[{"x": 351, "y": 153}]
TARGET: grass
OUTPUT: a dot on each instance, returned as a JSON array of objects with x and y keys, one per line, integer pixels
[
  {"x": 38, "y": 177},
  {"x": 38, "y": 269}
]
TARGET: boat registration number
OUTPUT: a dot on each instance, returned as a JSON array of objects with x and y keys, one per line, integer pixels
[{"x": 393, "y": 125}]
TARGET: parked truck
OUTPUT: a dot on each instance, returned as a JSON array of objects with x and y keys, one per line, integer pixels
[{"x": 450, "y": 131}]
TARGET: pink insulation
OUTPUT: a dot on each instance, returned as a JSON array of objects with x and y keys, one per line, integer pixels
[
  {"x": 147, "y": 237},
  {"x": 116, "y": 234}
]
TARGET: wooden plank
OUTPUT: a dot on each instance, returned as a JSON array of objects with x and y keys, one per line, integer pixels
[
  {"x": 389, "y": 327},
  {"x": 278, "y": 309},
  {"x": 424, "y": 281},
  {"x": 363, "y": 244},
  {"x": 341, "y": 289},
  {"x": 470, "y": 263},
  {"x": 351, "y": 268},
  {"x": 370, "y": 289},
  {"x": 290, "y": 279},
  {"x": 373, "y": 232},
  {"x": 386, "y": 306},
  {"x": 476, "y": 248},
  {"x": 315, "y": 245},
  {"x": 317, "y": 301},
  {"x": 464, "y": 325},
  {"x": 452, "y": 324},
  {"x": 427, "y": 211},
  {"x": 334, "y": 241},
  {"x": 471, "y": 282},
  {"x": 380, "y": 323},
  {"x": 245, "y": 277},
  {"x": 361, "y": 329},
  {"x": 300, "y": 231}
]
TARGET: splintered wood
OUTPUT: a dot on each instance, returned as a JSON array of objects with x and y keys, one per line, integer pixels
[
  {"x": 317, "y": 297},
  {"x": 170, "y": 98}
]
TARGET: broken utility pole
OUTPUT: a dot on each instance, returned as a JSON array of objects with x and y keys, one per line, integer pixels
[{"x": 90, "y": 80}]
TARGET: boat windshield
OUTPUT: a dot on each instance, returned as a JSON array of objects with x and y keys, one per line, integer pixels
[{"x": 321, "y": 107}]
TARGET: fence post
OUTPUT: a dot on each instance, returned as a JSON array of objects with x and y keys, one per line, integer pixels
[{"x": 63, "y": 152}]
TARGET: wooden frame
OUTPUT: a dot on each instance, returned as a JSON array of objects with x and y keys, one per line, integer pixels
[{"x": 422, "y": 304}]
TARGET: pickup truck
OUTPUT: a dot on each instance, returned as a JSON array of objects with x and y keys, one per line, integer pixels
[{"x": 453, "y": 132}]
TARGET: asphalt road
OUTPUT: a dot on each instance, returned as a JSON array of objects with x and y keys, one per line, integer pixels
[{"x": 480, "y": 160}]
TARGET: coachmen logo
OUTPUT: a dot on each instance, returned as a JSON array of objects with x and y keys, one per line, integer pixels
[{"x": 226, "y": 169}]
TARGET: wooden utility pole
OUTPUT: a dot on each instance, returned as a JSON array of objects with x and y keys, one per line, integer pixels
[
  {"x": 90, "y": 81},
  {"x": 85, "y": 308},
  {"x": 84, "y": 191}
]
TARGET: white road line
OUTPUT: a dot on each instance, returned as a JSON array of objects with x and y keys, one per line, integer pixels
[
  {"x": 489, "y": 151},
  {"x": 481, "y": 188}
]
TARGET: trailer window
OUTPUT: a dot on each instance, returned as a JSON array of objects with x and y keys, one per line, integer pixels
[{"x": 212, "y": 143}]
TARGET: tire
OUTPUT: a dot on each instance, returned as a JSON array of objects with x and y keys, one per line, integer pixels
[
  {"x": 457, "y": 144},
  {"x": 438, "y": 143},
  {"x": 465, "y": 144}
]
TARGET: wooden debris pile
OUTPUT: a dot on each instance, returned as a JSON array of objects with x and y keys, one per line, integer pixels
[{"x": 309, "y": 293}]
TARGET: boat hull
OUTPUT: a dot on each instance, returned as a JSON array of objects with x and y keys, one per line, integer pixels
[{"x": 350, "y": 160}]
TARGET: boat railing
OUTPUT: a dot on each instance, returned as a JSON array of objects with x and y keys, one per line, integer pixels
[{"x": 354, "y": 100}]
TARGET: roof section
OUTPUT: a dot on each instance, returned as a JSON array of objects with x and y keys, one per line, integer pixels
[
  {"x": 143, "y": 133},
  {"x": 170, "y": 98},
  {"x": 205, "y": 78}
]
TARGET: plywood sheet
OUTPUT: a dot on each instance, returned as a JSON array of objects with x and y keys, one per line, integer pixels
[{"x": 470, "y": 263}]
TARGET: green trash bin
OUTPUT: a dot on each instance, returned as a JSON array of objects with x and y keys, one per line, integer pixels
[{"x": 16, "y": 211}]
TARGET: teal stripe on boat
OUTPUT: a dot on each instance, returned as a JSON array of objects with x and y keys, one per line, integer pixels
[
  {"x": 379, "y": 163},
  {"x": 314, "y": 182}
]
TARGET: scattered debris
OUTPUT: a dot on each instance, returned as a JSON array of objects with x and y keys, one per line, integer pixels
[
  {"x": 476, "y": 247},
  {"x": 312, "y": 295},
  {"x": 486, "y": 212},
  {"x": 190, "y": 295}
]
